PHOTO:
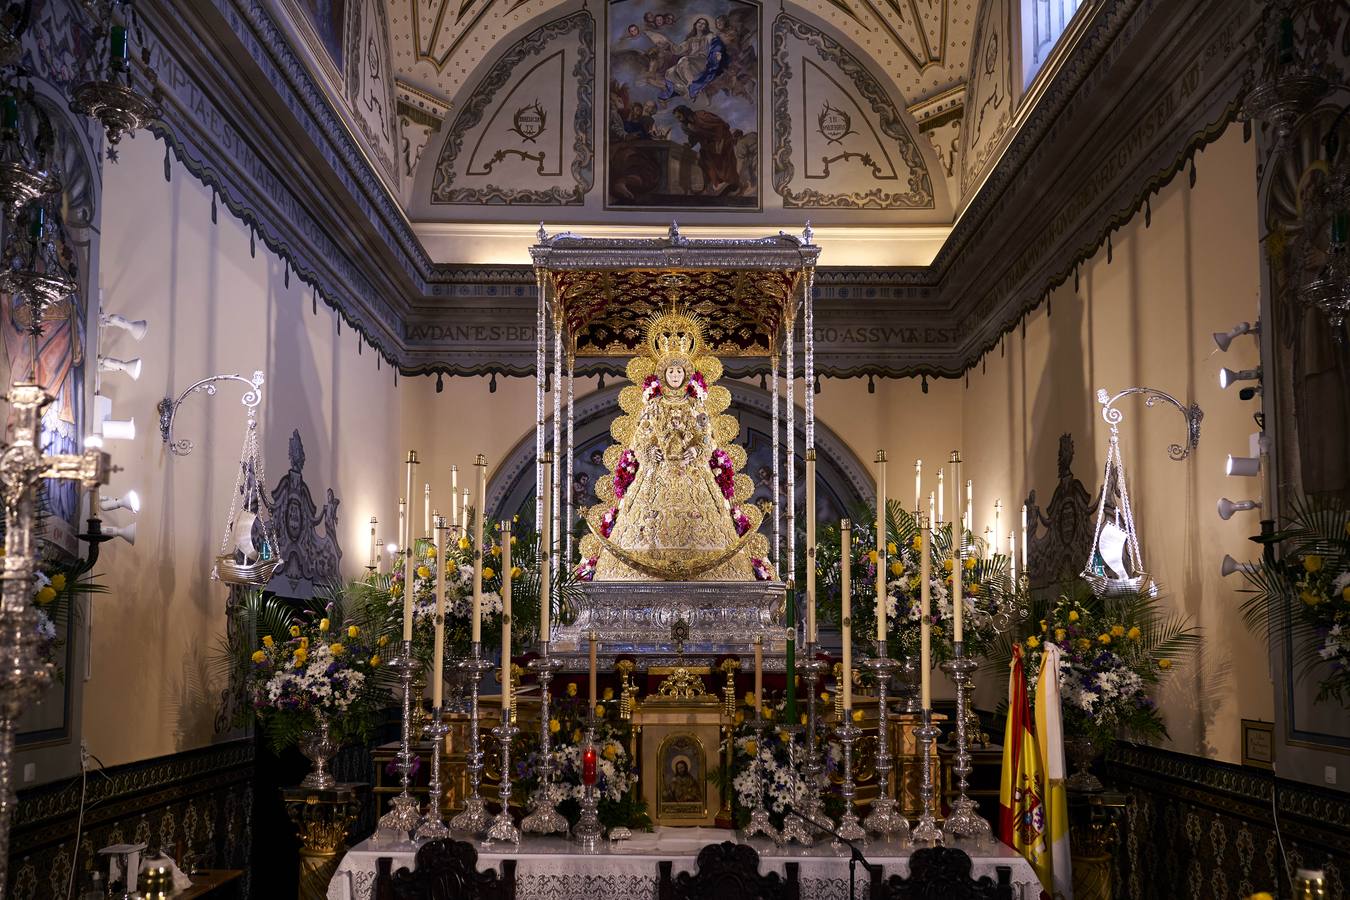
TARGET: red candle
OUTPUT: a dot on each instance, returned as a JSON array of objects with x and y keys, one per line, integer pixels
[{"x": 588, "y": 759}]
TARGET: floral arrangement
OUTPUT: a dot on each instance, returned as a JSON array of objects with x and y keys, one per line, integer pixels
[
  {"x": 651, "y": 387},
  {"x": 56, "y": 586},
  {"x": 761, "y": 569},
  {"x": 1114, "y": 652},
  {"x": 740, "y": 520},
  {"x": 724, "y": 472},
  {"x": 697, "y": 386},
  {"x": 1309, "y": 585},
  {"x": 990, "y": 602},
  {"x": 616, "y": 770},
  {"x": 317, "y": 668},
  {"x": 624, "y": 473},
  {"x": 607, "y": 521},
  {"x": 585, "y": 570}
]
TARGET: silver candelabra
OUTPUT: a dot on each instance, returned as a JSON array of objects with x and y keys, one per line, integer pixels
[
  {"x": 759, "y": 816},
  {"x": 812, "y": 765},
  {"x": 432, "y": 825},
  {"x": 849, "y": 827},
  {"x": 795, "y": 827},
  {"x": 885, "y": 818},
  {"x": 544, "y": 817},
  {"x": 404, "y": 814},
  {"x": 926, "y": 830},
  {"x": 24, "y": 674},
  {"x": 474, "y": 817},
  {"x": 588, "y": 830},
  {"x": 964, "y": 823},
  {"x": 503, "y": 827}
]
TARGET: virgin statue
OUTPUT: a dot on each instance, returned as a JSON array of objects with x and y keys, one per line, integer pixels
[{"x": 674, "y": 507}]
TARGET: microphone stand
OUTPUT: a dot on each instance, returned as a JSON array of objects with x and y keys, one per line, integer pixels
[{"x": 855, "y": 855}]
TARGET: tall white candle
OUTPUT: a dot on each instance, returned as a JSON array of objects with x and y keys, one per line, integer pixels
[
  {"x": 546, "y": 553},
  {"x": 932, "y": 516},
  {"x": 846, "y": 611},
  {"x": 1012, "y": 561},
  {"x": 374, "y": 553},
  {"x": 426, "y": 510},
  {"x": 438, "y": 647},
  {"x": 402, "y": 521},
  {"x": 477, "y": 629},
  {"x": 407, "y": 549},
  {"x": 811, "y": 546},
  {"x": 591, "y": 692},
  {"x": 464, "y": 514},
  {"x": 958, "y": 556},
  {"x": 918, "y": 485},
  {"x": 454, "y": 496},
  {"x": 969, "y": 516},
  {"x": 925, "y": 607},
  {"x": 379, "y": 555},
  {"x": 941, "y": 498},
  {"x": 881, "y": 546},
  {"x": 993, "y": 544},
  {"x": 506, "y": 620}
]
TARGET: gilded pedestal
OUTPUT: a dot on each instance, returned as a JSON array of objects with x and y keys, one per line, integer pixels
[
  {"x": 1093, "y": 832},
  {"x": 321, "y": 817},
  {"x": 909, "y": 763}
]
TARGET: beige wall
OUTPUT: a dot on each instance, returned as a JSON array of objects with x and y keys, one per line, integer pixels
[
  {"x": 1145, "y": 319},
  {"x": 212, "y": 309}
]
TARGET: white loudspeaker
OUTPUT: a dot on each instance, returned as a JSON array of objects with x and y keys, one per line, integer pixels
[
  {"x": 119, "y": 429},
  {"x": 1230, "y": 565},
  {"x": 1246, "y": 466},
  {"x": 128, "y": 367},
  {"x": 134, "y": 327},
  {"x": 131, "y": 501},
  {"x": 1223, "y": 339}
]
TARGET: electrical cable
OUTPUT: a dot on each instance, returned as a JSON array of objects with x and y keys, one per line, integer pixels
[{"x": 1275, "y": 821}]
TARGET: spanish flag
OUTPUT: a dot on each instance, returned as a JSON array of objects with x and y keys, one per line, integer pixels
[
  {"x": 1050, "y": 731},
  {"x": 1021, "y": 811}
]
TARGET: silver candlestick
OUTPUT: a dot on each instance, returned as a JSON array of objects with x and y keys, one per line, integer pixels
[
  {"x": 795, "y": 827},
  {"x": 404, "y": 814},
  {"x": 24, "y": 674},
  {"x": 503, "y": 827},
  {"x": 759, "y": 816},
  {"x": 474, "y": 817},
  {"x": 588, "y": 830},
  {"x": 849, "y": 828},
  {"x": 926, "y": 830},
  {"x": 885, "y": 818},
  {"x": 812, "y": 766},
  {"x": 432, "y": 825},
  {"x": 964, "y": 823},
  {"x": 544, "y": 817}
]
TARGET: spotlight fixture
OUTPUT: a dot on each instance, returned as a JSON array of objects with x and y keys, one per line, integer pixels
[
  {"x": 134, "y": 327},
  {"x": 1244, "y": 466},
  {"x": 392, "y": 548},
  {"x": 1224, "y": 338},
  {"x": 108, "y": 427},
  {"x": 1228, "y": 507},
  {"x": 1230, "y": 565},
  {"x": 125, "y": 532},
  {"x": 131, "y": 500},
  {"x": 129, "y": 367},
  {"x": 1228, "y": 376}
]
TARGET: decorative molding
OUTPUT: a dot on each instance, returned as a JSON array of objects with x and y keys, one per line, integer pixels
[
  {"x": 371, "y": 90},
  {"x": 503, "y": 72},
  {"x": 920, "y": 193}
]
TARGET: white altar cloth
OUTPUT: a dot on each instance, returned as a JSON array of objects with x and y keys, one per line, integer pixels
[{"x": 555, "y": 869}]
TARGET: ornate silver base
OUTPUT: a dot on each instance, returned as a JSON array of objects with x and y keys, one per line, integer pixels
[
  {"x": 849, "y": 827},
  {"x": 404, "y": 814},
  {"x": 636, "y": 616},
  {"x": 432, "y": 825},
  {"x": 474, "y": 818},
  {"x": 120, "y": 108},
  {"x": 795, "y": 828},
  {"x": 926, "y": 830},
  {"x": 544, "y": 817},
  {"x": 503, "y": 827},
  {"x": 759, "y": 816},
  {"x": 884, "y": 818},
  {"x": 964, "y": 825},
  {"x": 588, "y": 830}
]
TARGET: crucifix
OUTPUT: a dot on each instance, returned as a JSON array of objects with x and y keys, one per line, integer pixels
[{"x": 23, "y": 675}]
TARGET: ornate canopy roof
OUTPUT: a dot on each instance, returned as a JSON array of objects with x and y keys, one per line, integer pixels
[{"x": 603, "y": 289}]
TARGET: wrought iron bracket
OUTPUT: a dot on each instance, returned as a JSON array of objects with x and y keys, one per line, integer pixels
[
  {"x": 168, "y": 407},
  {"x": 1191, "y": 411}
]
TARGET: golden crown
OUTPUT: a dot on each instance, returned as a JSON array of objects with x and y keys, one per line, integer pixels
[{"x": 675, "y": 334}]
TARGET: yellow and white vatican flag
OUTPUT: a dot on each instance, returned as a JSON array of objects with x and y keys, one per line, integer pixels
[
  {"x": 1021, "y": 811},
  {"x": 1050, "y": 735}
]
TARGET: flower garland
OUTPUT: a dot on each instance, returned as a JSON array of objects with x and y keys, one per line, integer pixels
[
  {"x": 740, "y": 520},
  {"x": 761, "y": 569},
  {"x": 624, "y": 473},
  {"x": 607, "y": 521},
  {"x": 697, "y": 387},
  {"x": 586, "y": 570},
  {"x": 723, "y": 472},
  {"x": 651, "y": 387}
]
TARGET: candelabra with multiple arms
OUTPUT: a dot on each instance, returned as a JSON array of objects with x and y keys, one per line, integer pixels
[{"x": 24, "y": 674}]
